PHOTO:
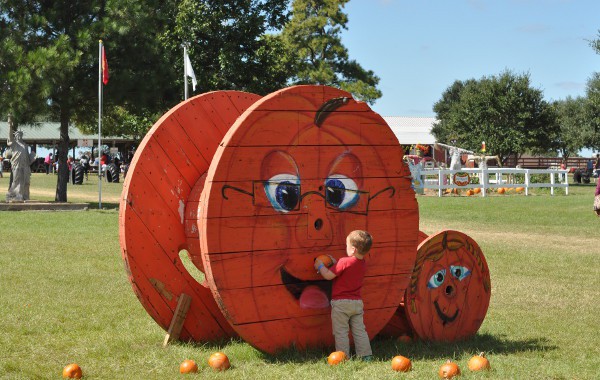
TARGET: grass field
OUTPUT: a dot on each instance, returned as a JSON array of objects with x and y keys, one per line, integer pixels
[{"x": 65, "y": 297}]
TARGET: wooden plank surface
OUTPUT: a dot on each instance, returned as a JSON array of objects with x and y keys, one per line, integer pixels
[
  {"x": 250, "y": 232},
  {"x": 154, "y": 214},
  {"x": 448, "y": 307}
]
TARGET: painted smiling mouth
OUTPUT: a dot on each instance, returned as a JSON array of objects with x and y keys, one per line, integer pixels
[
  {"x": 313, "y": 294},
  {"x": 445, "y": 319}
]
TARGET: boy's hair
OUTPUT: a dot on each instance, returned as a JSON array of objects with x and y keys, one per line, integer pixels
[{"x": 361, "y": 240}]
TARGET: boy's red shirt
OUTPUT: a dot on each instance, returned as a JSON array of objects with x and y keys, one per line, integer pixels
[{"x": 350, "y": 273}]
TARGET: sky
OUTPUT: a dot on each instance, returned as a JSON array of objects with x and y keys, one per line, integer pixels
[{"x": 418, "y": 48}]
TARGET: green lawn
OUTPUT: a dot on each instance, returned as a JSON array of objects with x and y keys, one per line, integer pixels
[{"x": 66, "y": 297}]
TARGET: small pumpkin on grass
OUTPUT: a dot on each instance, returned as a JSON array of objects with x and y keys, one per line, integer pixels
[
  {"x": 501, "y": 190},
  {"x": 448, "y": 370},
  {"x": 401, "y": 364},
  {"x": 336, "y": 358},
  {"x": 219, "y": 361},
  {"x": 479, "y": 363},
  {"x": 72, "y": 371},
  {"x": 404, "y": 338},
  {"x": 470, "y": 192},
  {"x": 188, "y": 366}
]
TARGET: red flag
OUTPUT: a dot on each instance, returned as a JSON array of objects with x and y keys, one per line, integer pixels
[{"x": 105, "y": 75}]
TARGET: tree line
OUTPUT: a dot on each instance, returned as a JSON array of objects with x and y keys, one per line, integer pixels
[
  {"x": 49, "y": 71},
  {"x": 513, "y": 118},
  {"x": 49, "y": 58}
]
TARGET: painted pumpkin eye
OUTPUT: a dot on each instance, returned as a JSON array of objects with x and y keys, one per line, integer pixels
[
  {"x": 459, "y": 272},
  {"x": 283, "y": 191},
  {"x": 437, "y": 279},
  {"x": 341, "y": 192}
]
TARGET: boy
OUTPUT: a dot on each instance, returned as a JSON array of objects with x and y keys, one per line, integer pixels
[{"x": 346, "y": 302}]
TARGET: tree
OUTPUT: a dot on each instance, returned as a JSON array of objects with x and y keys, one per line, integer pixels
[
  {"x": 592, "y": 112},
  {"x": 229, "y": 45},
  {"x": 49, "y": 79},
  {"x": 313, "y": 36},
  {"x": 572, "y": 122},
  {"x": 503, "y": 110},
  {"x": 595, "y": 44}
]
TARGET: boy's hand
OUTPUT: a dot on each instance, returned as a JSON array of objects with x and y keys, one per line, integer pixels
[
  {"x": 317, "y": 264},
  {"x": 333, "y": 260}
]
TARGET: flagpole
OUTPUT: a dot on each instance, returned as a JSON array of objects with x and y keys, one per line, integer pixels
[
  {"x": 99, "y": 124},
  {"x": 185, "y": 84}
]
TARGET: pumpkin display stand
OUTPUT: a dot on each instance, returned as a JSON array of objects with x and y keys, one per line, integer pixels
[{"x": 253, "y": 189}]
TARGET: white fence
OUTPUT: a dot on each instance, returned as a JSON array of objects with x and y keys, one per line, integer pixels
[{"x": 489, "y": 178}]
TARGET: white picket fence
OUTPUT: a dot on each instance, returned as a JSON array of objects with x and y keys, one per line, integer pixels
[{"x": 489, "y": 178}]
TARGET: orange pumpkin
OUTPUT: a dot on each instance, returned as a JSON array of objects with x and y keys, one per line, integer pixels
[
  {"x": 336, "y": 358},
  {"x": 72, "y": 371},
  {"x": 188, "y": 366},
  {"x": 219, "y": 361},
  {"x": 299, "y": 170},
  {"x": 326, "y": 260},
  {"x": 448, "y": 370},
  {"x": 501, "y": 190},
  {"x": 157, "y": 216},
  {"x": 401, "y": 364},
  {"x": 520, "y": 189},
  {"x": 470, "y": 192},
  {"x": 477, "y": 190},
  {"x": 449, "y": 290},
  {"x": 479, "y": 363}
]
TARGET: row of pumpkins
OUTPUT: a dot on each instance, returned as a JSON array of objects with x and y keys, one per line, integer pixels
[
  {"x": 220, "y": 362},
  {"x": 500, "y": 190}
]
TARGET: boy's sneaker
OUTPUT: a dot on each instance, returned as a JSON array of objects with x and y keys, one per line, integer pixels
[{"x": 366, "y": 358}]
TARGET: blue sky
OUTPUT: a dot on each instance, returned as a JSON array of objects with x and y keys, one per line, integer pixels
[{"x": 418, "y": 48}]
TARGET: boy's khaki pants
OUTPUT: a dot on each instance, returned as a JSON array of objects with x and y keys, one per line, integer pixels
[{"x": 345, "y": 315}]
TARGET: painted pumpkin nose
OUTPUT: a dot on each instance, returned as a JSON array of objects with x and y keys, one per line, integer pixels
[
  {"x": 450, "y": 290},
  {"x": 318, "y": 224}
]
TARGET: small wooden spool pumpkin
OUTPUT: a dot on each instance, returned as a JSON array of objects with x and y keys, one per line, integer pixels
[{"x": 450, "y": 289}]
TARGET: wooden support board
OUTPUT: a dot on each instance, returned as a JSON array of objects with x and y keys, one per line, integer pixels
[
  {"x": 183, "y": 305},
  {"x": 294, "y": 175},
  {"x": 169, "y": 162}
]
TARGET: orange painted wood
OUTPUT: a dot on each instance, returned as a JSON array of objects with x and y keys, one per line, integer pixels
[
  {"x": 398, "y": 324},
  {"x": 277, "y": 136},
  {"x": 173, "y": 156},
  {"x": 450, "y": 288}
]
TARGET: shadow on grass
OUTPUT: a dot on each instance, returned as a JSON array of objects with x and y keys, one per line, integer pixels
[
  {"x": 386, "y": 348},
  {"x": 105, "y": 206}
]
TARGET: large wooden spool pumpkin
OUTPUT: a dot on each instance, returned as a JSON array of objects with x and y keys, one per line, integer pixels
[
  {"x": 158, "y": 210},
  {"x": 449, "y": 291},
  {"x": 298, "y": 171}
]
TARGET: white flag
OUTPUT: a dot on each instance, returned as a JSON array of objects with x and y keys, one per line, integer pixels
[{"x": 190, "y": 71}]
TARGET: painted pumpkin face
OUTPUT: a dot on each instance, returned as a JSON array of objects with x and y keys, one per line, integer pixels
[
  {"x": 450, "y": 288},
  {"x": 294, "y": 175}
]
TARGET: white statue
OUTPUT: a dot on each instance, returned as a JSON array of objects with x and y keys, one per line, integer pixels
[
  {"x": 20, "y": 160},
  {"x": 455, "y": 153}
]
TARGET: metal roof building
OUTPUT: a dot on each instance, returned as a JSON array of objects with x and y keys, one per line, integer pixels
[
  {"x": 412, "y": 130},
  {"x": 48, "y": 133}
]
